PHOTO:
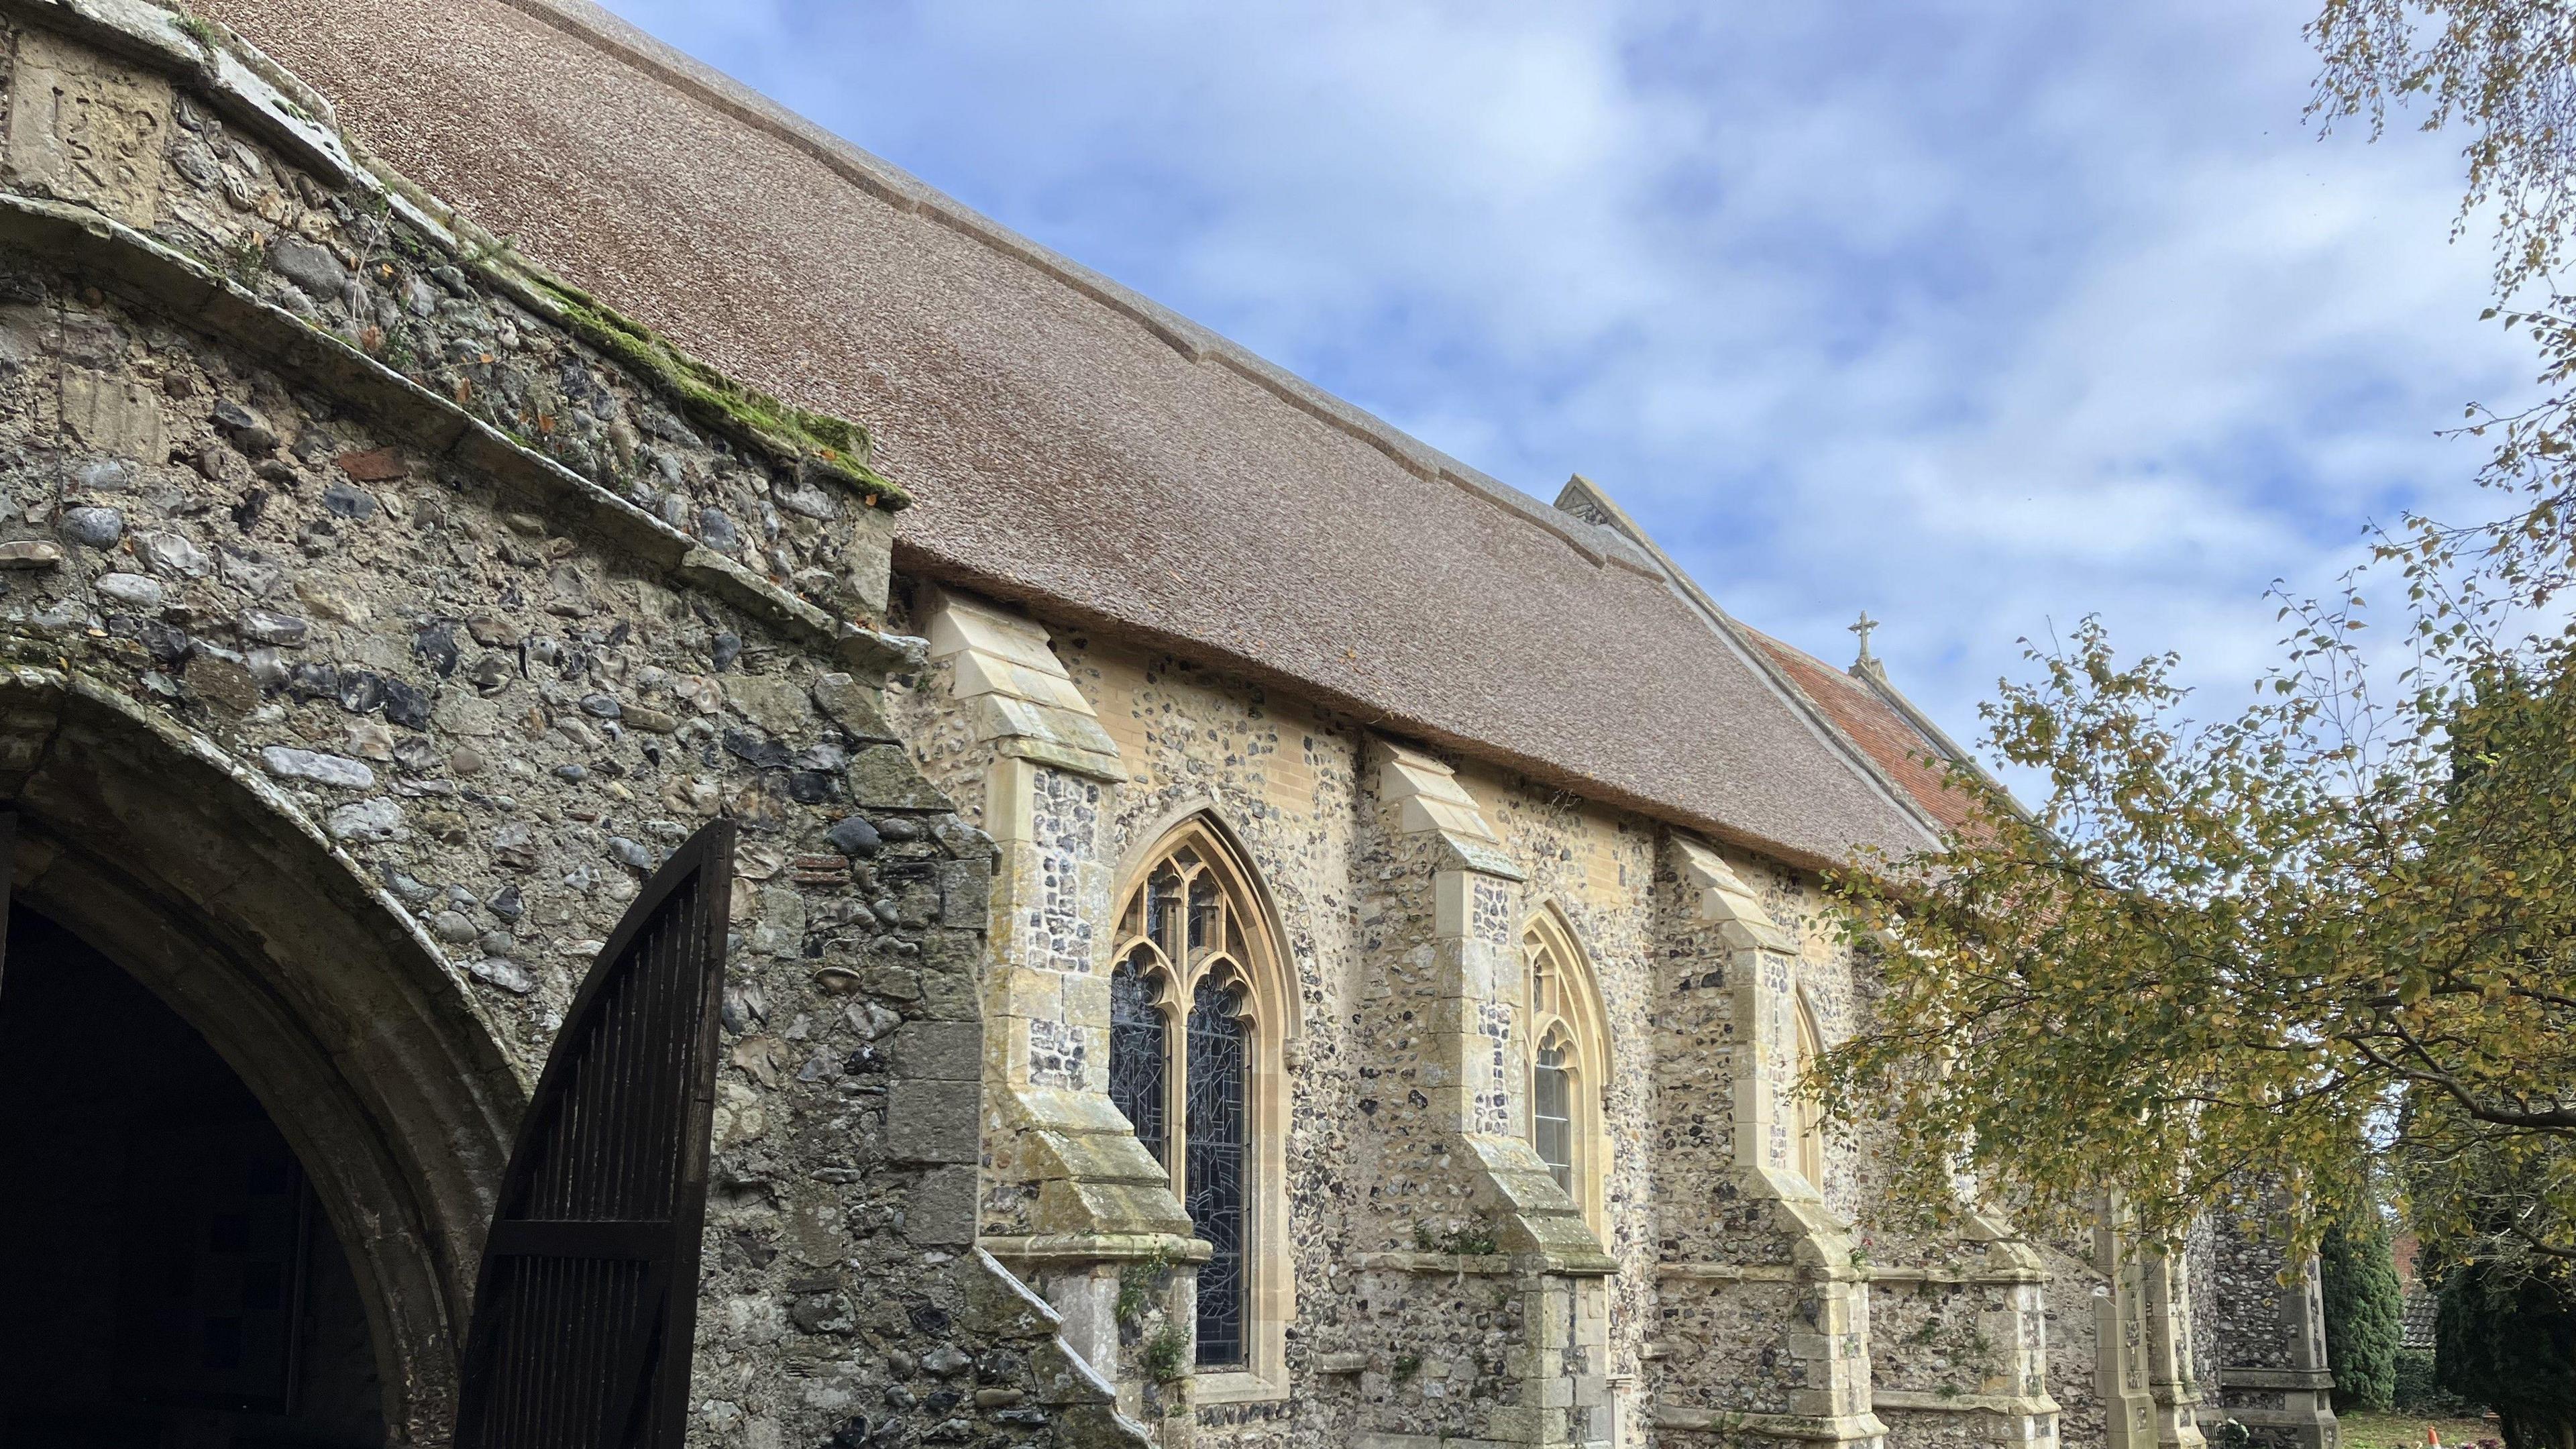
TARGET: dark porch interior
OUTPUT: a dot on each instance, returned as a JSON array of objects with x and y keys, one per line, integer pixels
[{"x": 168, "y": 1279}]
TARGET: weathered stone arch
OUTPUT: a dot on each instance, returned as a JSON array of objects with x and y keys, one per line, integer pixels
[
  {"x": 215, "y": 892},
  {"x": 1583, "y": 1016}
]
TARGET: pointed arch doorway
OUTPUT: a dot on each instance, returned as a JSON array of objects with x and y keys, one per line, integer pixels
[
  {"x": 167, "y": 1271},
  {"x": 225, "y": 1033}
]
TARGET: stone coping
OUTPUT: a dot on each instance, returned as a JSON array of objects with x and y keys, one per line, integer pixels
[
  {"x": 1913, "y": 1402},
  {"x": 246, "y": 87},
  {"x": 197, "y": 296},
  {"x": 1487, "y": 1265},
  {"x": 1058, "y": 1249},
  {"x": 1839, "y": 1428},
  {"x": 2247, "y": 1377}
]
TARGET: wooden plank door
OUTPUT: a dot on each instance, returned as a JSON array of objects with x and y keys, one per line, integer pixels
[{"x": 584, "y": 1310}]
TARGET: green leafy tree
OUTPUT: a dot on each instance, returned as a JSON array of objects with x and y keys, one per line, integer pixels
[
  {"x": 2497, "y": 70},
  {"x": 2365, "y": 1310},
  {"x": 2229, "y": 950},
  {"x": 2218, "y": 955},
  {"x": 2507, "y": 1339}
]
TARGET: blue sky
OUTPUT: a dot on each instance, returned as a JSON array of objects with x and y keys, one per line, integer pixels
[{"x": 1980, "y": 314}]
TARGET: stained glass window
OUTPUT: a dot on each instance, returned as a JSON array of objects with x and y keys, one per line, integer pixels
[
  {"x": 1181, "y": 1040},
  {"x": 1219, "y": 1084},
  {"x": 1138, "y": 1050}
]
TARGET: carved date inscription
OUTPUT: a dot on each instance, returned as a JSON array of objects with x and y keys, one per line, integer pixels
[{"x": 84, "y": 128}]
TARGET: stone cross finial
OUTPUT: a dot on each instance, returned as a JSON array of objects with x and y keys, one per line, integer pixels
[{"x": 1862, "y": 629}]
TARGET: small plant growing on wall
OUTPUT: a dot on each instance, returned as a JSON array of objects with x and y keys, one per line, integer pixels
[
  {"x": 245, "y": 260},
  {"x": 1167, "y": 1354},
  {"x": 1138, "y": 1283},
  {"x": 1474, "y": 1239},
  {"x": 1406, "y": 1365}
]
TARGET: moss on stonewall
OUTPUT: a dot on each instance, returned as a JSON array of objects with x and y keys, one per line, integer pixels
[{"x": 810, "y": 441}]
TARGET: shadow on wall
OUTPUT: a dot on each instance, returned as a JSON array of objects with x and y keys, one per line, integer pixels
[{"x": 166, "y": 1272}]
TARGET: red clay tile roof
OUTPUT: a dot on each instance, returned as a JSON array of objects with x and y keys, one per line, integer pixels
[{"x": 1876, "y": 726}]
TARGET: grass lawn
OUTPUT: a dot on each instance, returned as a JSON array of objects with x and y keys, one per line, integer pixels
[{"x": 2398, "y": 1430}]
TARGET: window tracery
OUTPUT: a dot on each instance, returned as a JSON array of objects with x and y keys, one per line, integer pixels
[
  {"x": 1193, "y": 1036},
  {"x": 1569, "y": 1063}
]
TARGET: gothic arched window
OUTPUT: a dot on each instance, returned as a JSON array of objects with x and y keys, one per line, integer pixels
[
  {"x": 1196, "y": 1022},
  {"x": 1810, "y": 1112},
  {"x": 1569, "y": 1063}
]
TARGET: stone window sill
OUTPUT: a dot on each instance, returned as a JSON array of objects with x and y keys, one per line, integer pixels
[{"x": 1238, "y": 1387}]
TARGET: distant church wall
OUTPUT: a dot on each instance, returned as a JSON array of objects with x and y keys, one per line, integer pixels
[{"x": 1420, "y": 1246}]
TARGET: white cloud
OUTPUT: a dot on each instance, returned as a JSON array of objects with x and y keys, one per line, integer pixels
[{"x": 1978, "y": 314}]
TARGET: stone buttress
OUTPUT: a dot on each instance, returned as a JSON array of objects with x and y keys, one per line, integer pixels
[
  {"x": 1958, "y": 1338},
  {"x": 1476, "y": 1233},
  {"x": 2150, "y": 1391},
  {"x": 2272, "y": 1375},
  {"x": 1763, "y": 1298},
  {"x": 1071, "y": 1199}
]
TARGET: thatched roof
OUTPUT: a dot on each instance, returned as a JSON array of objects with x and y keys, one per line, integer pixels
[{"x": 1075, "y": 447}]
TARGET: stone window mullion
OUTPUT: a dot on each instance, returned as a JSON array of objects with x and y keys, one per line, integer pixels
[
  {"x": 1191, "y": 903},
  {"x": 1176, "y": 1084}
]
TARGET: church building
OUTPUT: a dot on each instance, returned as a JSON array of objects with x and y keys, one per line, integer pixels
[{"x": 1220, "y": 925}]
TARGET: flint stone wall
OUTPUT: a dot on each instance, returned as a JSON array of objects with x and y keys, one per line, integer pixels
[
  {"x": 313, "y": 489},
  {"x": 494, "y": 600}
]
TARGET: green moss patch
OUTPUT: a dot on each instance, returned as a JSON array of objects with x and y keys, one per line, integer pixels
[{"x": 810, "y": 442}]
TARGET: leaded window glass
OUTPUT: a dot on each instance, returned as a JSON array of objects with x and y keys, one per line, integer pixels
[
  {"x": 1552, "y": 1112},
  {"x": 1219, "y": 1079},
  {"x": 1138, "y": 1050},
  {"x": 1182, "y": 1039},
  {"x": 1568, "y": 1063}
]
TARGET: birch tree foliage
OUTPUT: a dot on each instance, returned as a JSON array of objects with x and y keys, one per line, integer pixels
[
  {"x": 2231, "y": 948},
  {"x": 2220, "y": 955}
]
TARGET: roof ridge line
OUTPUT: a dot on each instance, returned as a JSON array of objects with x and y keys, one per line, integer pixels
[
  {"x": 1876, "y": 685},
  {"x": 593, "y": 25},
  {"x": 1895, "y": 699},
  {"x": 1731, "y": 633}
]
